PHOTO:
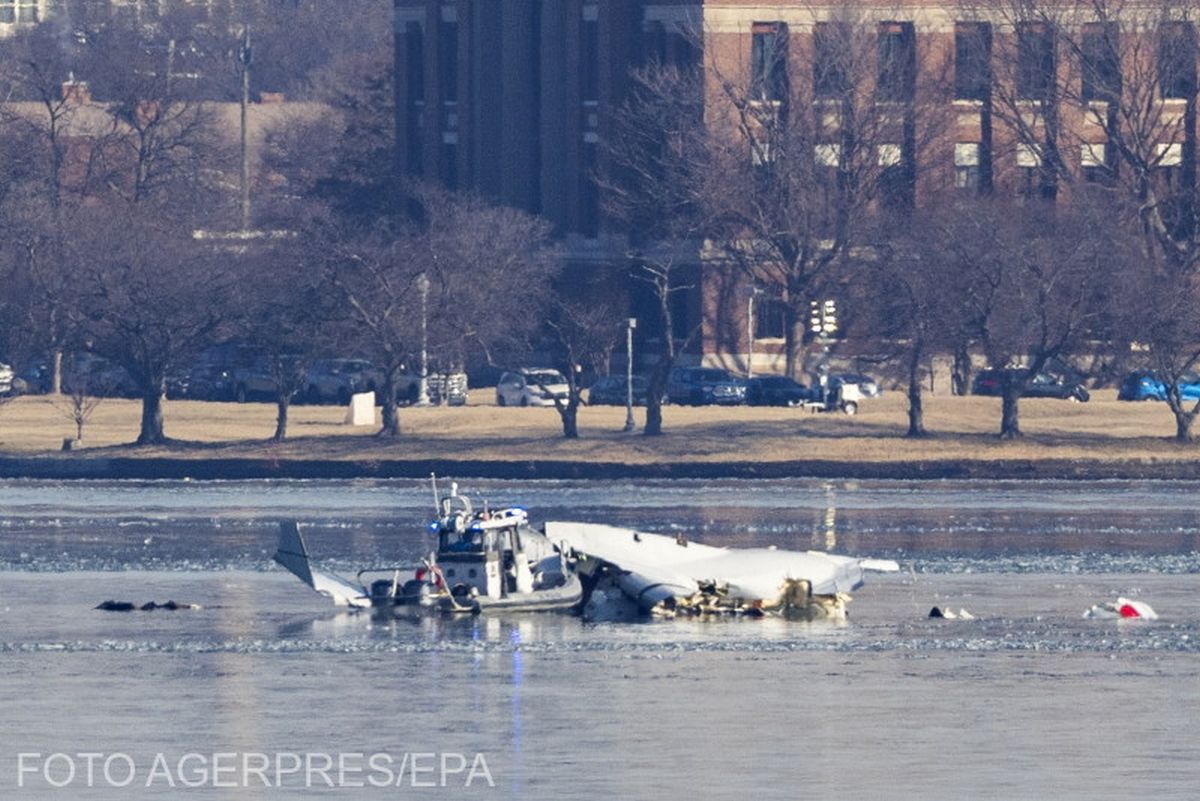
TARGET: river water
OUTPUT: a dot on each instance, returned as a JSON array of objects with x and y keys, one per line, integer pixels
[{"x": 1026, "y": 701}]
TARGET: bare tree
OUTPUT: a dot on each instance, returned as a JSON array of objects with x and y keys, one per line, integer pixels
[
  {"x": 486, "y": 268},
  {"x": 149, "y": 297},
  {"x": 656, "y": 152},
  {"x": 1037, "y": 285},
  {"x": 917, "y": 300},
  {"x": 283, "y": 309},
  {"x": 1101, "y": 96},
  {"x": 79, "y": 405},
  {"x": 585, "y": 321}
]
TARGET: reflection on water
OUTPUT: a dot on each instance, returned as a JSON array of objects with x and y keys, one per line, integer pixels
[
  {"x": 935, "y": 526},
  {"x": 1027, "y": 701}
]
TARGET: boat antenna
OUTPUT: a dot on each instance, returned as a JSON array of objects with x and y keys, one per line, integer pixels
[{"x": 437, "y": 502}]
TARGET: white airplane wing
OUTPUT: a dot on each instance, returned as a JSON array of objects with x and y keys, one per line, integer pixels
[
  {"x": 655, "y": 567},
  {"x": 293, "y": 555}
]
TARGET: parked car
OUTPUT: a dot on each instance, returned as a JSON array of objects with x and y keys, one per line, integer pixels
[
  {"x": 205, "y": 382},
  {"x": 1039, "y": 385},
  {"x": 611, "y": 391},
  {"x": 6, "y": 379},
  {"x": 335, "y": 380},
  {"x": 37, "y": 378},
  {"x": 776, "y": 390},
  {"x": 251, "y": 371},
  {"x": 1143, "y": 385},
  {"x": 448, "y": 388},
  {"x": 700, "y": 386},
  {"x": 867, "y": 386},
  {"x": 531, "y": 387},
  {"x": 98, "y": 376}
]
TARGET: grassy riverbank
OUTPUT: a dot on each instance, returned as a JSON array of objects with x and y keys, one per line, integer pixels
[{"x": 1103, "y": 433}]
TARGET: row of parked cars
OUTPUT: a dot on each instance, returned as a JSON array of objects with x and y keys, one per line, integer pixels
[
  {"x": 1039, "y": 385},
  {"x": 234, "y": 373},
  {"x": 689, "y": 386},
  {"x": 1139, "y": 385}
]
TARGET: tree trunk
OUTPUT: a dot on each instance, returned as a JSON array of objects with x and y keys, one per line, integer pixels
[
  {"x": 570, "y": 419},
  {"x": 1010, "y": 426},
  {"x": 56, "y": 372},
  {"x": 391, "y": 416},
  {"x": 916, "y": 414},
  {"x": 961, "y": 372},
  {"x": 1183, "y": 416},
  {"x": 654, "y": 418},
  {"x": 1183, "y": 426},
  {"x": 152, "y": 419},
  {"x": 654, "y": 395},
  {"x": 793, "y": 344},
  {"x": 282, "y": 405}
]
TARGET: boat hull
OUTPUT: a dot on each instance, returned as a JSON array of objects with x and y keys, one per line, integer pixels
[{"x": 564, "y": 597}]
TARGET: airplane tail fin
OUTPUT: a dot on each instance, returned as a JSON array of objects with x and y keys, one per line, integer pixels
[{"x": 293, "y": 555}]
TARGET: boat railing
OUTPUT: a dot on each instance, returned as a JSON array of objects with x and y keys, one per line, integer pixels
[{"x": 390, "y": 571}]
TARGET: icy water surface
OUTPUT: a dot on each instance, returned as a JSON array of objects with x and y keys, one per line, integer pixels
[{"x": 1027, "y": 701}]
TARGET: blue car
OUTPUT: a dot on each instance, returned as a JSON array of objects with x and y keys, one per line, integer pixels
[{"x": 1142, "y": 385}]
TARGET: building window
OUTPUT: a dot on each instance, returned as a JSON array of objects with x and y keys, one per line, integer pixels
[
  {"x": 972, "y": 61},
  {"x": 768, "y": 62},
  {"x": 1101, "y": 62},
  {"x": 1094, "y": 162},
  {"x": 1168, "y": 158},
  {"x": 448, "y": 55},
  {"x": 770, "y": 318},
  {"x": 1036, "y": 62},
  {"x": 414, "y": 67},
  {"x": 589, "y": 55},
  {"x": 1033, "y": 179},
  {"x": 12, "y": 11},
  {"x": 668, "y": 46},
  {"x": 831, "y": 43},
  {"x": 1168, "y": 155},
  {"x": 139, "y": 10},
  {"x": 448, "y": 160},
  {"x": 589, "y": 206},
  {"x": 896, "y": 78},
  {"x": 895, "y": 188},
  {"x": 966, "y": 166},
  {"x": 1177, "y": 60},
  {"x": 761, "y": 154},
  {"x": 829, "y": 155}
]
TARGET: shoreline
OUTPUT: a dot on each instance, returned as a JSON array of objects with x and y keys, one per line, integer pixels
[
  {"x": 243, "y": 468},
  {"x": 1104, "y": 439}
]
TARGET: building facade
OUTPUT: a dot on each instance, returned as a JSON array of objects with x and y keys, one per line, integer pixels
[{"x": 512, "y": 98}]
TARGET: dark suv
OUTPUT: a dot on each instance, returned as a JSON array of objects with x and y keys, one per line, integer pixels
[
  {"x": 701, "y": 386},
  {"x": 1038, "y": 385}
]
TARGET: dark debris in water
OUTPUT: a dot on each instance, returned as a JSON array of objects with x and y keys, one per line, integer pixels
[{"x": 149, "y": 606}]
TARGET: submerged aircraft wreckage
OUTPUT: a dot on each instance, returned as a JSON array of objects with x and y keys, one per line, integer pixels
[{"x": 495, "y": 560}]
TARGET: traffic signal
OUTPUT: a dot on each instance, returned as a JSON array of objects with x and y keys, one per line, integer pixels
[
  {"x": 822, "y": 318},
  {"x": 829, "y": 321}
]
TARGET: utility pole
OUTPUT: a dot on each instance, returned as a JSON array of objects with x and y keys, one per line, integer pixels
[
  {"x": 423, "y": 386},
  {"x": 753, "y": 292},
  {"x": 630, "y": 324},
  {"x": 245, "y": 58}
]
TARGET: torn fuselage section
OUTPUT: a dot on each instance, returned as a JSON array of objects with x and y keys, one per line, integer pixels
[{"x": 627, "y": 573}]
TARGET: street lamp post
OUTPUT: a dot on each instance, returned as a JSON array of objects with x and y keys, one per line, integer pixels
[
  {"x": 423, "y": 385},
  {"x": 245, "y": 59},
  {"x": 752, "y": 292},
  {"x": 630, "y": 324}
]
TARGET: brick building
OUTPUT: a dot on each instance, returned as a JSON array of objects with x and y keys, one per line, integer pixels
[{"x": 511, "y": 97}]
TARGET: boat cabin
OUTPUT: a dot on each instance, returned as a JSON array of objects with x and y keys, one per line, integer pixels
[{"x": 483, "y": 554}]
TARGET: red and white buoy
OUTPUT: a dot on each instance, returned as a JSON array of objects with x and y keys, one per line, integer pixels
[{"x": 1124, "y": 608}]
